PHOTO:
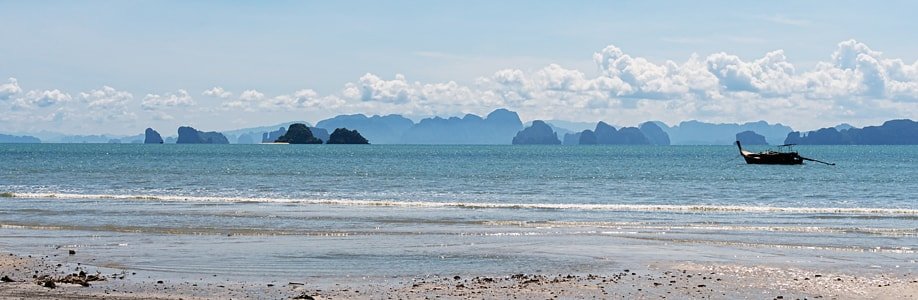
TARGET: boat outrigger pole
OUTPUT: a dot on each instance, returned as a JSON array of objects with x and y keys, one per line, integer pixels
[{"x": 816, "y": 160}]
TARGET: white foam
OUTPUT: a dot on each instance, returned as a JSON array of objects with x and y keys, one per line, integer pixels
[{"x": 492, "y": 205}]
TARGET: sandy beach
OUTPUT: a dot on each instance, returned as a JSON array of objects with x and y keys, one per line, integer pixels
[
  {"x": 44, "y": 277},
  {"x": 458, "y": 150}
]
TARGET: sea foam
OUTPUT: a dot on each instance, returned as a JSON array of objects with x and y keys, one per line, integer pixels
[{"x": 491, "y": 205}]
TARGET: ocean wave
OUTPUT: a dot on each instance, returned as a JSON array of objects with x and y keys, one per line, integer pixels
[{"x": 489, "y": 205}]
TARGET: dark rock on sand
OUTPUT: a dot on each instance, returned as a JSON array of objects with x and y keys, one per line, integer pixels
[
  {"x": 46, "y": 281},
  {"x": 304, "y": 296}
]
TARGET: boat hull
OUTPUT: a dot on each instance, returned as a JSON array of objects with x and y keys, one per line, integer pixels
[
  {"x": 770, "y": 157},
  {"x": 773, "y": 159}
]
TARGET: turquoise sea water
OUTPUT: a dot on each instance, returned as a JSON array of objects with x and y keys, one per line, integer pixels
[{"x": 408, "y": 210}]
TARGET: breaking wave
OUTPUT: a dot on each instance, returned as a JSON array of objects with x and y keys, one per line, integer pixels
[{"x": 490, "y": 205}]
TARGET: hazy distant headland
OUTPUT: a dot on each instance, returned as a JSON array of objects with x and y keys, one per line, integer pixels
[
  {"x": 893, "y": 132},
  {"x": 503, "y": 126},
  {"x": 4, "y": 138}
]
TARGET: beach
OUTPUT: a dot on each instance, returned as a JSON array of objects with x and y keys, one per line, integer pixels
[
  {"x": 27, "y": 277},
  {"x": 458, "y": 150},
  {"x": 453, "y": 222}
]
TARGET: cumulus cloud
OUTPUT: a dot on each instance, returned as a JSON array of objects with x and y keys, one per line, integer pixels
[
  {"x": 718, "y": 85},
  {"x": 247, "y": 100},
  {"x": 179, "y": 98},
  {"x": 253, "y": 100},
  {"x": 42, "y": 98},
  {"x": 218, "y": 92},
  {"x": 770, "y": 75},
  {"x": 106, "y": 98},
  {"x": 307, "y": 98},
  {"x": 854, "y": 81},
  {"x": 372, "y": 88},
  {"x": 640, "y": 77},
  {"x": 251, "y": 95},
  {"x": 400, "y": 95},
  {"x": 10, "y": 89},
  {"x": 857, "y": 70},
  {"x": 108, "y": 104}
]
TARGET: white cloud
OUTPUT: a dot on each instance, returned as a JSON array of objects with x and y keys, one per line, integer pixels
[
  {"x": 251, "y": 95},
  {"x": 162, "y": 116},
  {"x": 218, "y": 92},
  {"x": 854, "y": 83},
  {"x": 770, "y": 75},
  {"x": 108, "y": 104},
  {"x": 253, "y": 100},
  {"x": 372, "y": 88},
  {"x": 847, "y": 53},
  {"x": 8, "y": 90},
  {"x": 856, "y": 70},
  {"x": 41, "y": 99},
  {"x": 306, "y": 98},
  {"x": 401, "y": 96},
  {"x": 638, "y": 77},
  {"x": 106, "y": 98},
  {"x": 247, "y": 100},
  {"x": 179, "y": 98},
  {"x": 718, "y": 86}
]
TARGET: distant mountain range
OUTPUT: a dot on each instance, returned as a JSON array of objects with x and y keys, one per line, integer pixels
[
  {"x": 499, "y": 127},
  {"x": 893, "y": 132},
  {"x": 502, "y": 125},
  {"x": 378, "y": 129},
  {"x": 253, "y": 135},
  {"x": 4, "y": 138},
  {"x": 701, "y": 133}
]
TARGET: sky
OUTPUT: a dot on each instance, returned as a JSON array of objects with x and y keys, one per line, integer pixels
[{"x": 118, "y": 67}]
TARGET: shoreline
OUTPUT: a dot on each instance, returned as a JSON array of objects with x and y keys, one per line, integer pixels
[
  {"x": 662, "y": 280},
  {"x": 343, "y": 202}
]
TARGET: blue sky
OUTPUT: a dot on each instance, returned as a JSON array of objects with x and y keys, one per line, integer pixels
[{"x": 121, "y": 66}]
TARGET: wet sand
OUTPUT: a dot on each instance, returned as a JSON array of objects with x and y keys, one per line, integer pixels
[{"x": 27, "y": 277}]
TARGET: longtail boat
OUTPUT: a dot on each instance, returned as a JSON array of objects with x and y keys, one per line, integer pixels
[{"x": 771, "y": 157}]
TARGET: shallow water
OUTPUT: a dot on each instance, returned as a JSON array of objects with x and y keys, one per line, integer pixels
[{"x": 323, "y": 210}]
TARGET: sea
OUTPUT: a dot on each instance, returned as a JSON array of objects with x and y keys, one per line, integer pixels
[{"x": 272, "y": 212}]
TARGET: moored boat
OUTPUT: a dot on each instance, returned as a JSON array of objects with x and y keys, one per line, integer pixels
[{"x": 771, "y": 157}]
